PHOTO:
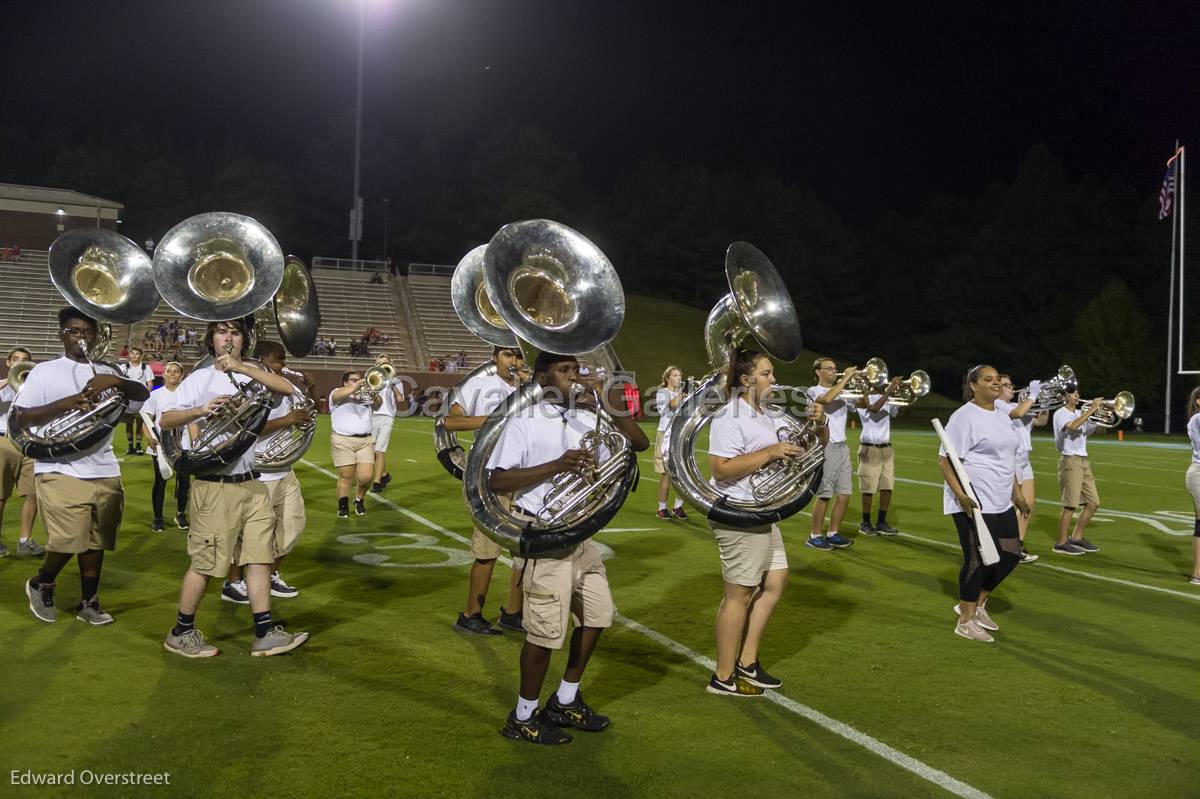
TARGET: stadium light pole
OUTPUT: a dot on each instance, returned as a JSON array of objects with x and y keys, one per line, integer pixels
[{"x": 356, "y": 205}]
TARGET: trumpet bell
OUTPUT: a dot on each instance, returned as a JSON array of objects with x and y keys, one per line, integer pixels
[
  {"x": 297, "y": 314},
  {"x": 103, "y": 274},
  {"x": 553, "y": 287},
  {"x": 918, "y": 382},
  {"x": 218, "y": 266},
  {"x": 876, "y": 371},
  {"x": 469, "y": 295},
  {"x": 1123, "y": 405}
]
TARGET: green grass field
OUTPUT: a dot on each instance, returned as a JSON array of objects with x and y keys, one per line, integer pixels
[{"x": 1091, "y": 688}]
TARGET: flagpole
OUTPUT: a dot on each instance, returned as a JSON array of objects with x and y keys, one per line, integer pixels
[
  {"x": 1182, "y": 246},
  {"x": 1170, "y": 308}
]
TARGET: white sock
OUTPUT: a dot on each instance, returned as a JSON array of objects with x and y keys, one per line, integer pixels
[
  {"x": 678, "y": 503},
  {"x": 662, "y": 506},
  {"x": 567, "y": 692},
  {"x": 25, "y": 538},
  {"x": 525, "y": 708}
]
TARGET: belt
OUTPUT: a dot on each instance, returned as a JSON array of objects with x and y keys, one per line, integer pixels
[
  {"x": 354, "y": 435},
  {"x": 869, "y": 444},
  {"x": 519, "y": 509},
  {"x": 228, "y": 478}
]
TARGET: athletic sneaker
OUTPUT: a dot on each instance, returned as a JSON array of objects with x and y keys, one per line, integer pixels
[
  {"x": 538, "y": 730},
  {"x": 343, "y": 511},
  {"x": 377, "y": 488},
  {"x": 277, "y": 641},
  {"x": 818, "y": 542},
  {"x": 678, "y": 513},
  {"x": 1068, "y": 549},
  {"x": 1027, "y": 556},
  {"x": 663, "y": 513},
  {"x": 27, "y": 546},
  {"x": 475, "y": 624},
  {"x": 981, "y": 617},
  {"x": 1084, "y": 544},
  {"x": 360, "y": 508},
  {"x": 512, "y": 621},
  {"x": 575, "y": 714},
  {"x": 41, "y": 601},
  {"x": 1194, "y": 581},
  {"x": 866, "y": 528},
  {"x": 281, "y": 588},
  {"x": 387, "y": 478},
  {"x": 3, "y": 550},
  {"x": 157, "y": 526},
  {"x": 970, "y": 629},
  {"x": 757, "y": 675},
  {"x": 886, "y": 529},
  {"x": 93, "y": 615},
  {"x": 837, "y": 541},
  {"x": 189, "y": 644},
  {"x": 181, "y": 521},
  {"x": 734, "y": 686},
  {"x": 235, "y": 592}
]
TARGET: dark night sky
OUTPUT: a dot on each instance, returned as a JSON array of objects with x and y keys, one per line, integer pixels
[{"x": 871, "y": 107}]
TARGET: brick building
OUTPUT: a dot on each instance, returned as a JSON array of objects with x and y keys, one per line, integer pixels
[{"x": 32, "y": 216}]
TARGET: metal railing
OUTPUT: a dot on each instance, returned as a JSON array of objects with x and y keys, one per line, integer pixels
[
  {"x": 437, "y": 270},
  {"x": 350, "y": 265}
]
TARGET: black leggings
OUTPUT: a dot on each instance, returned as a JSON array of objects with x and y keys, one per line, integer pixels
[
  {"x": 182, "y": 486},
  {"x": 133, "y": 430},
  {"x": 974, "y": 576}
]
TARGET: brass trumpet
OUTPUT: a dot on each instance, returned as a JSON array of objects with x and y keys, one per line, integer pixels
[
  {"x": 1053, "y": 393},
  {"x": 911, "y": 389},
  {"x": 1111, "y": 412},
  {"x": 374, "y": 381},
  {"x": 871, "y": 379}
]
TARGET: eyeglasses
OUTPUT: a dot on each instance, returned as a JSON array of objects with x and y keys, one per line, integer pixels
[{"x": 78, "y": 332}]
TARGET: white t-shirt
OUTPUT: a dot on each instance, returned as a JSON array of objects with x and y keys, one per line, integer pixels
[
  {"x": 53, "y": 380},
  {"x": 877, "y": 425},
  {"x": 737, "y": 429},
  {"x": 1072, "y": 442},
  {"x": 662, "y": 398},
  {"x": 482, "y": 394},
  {"x": 198, "y": 389},
  {"x": 6, "y": 395},
  {"x": 1023, "y": 426},
  {"x": 285, "y": 407},
  {"x": 538, "y": 437},
  {"x": 387, "y": 404},
  {"x": 350, "y": 418},
  {"x": 143, "y": 374},
  {"x": 986, "y": 444},
  {"x": 835, "y": 413},
  {"x": 161, "y": 398},
  {"x": 1193, "y": 428}
]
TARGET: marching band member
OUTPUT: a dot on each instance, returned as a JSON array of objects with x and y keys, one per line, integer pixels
[
  {"x": 667, "y": 398},
  {"x": 469, "y": 409},
  {"x": 383, "y": 419},
  {"x": 16, "y": 469},
  {"x": 533, "y": 449},
  {"x": 162, "y": 398},
  {"x": 1192, "y": 478},
  {"x": 987, "y": 444},
  {"x": 1023, "y": 421},
  {"x": 80, "y": 494},
  {"x": 141, "y": 372},
  {"x": 351, "y": 442},
  {"x": 835, "y": 480},
  {"x": 744, "y": 438},
  {"x": 876, "y": 461},
  {"x": 1075, "y": 480},
  {"x": 283, "y": 489},
  {"x": 231, "y": 514}
]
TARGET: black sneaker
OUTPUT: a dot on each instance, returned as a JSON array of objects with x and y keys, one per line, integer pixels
[
  {"x": 757, "y": 675},
  {"x": 577, "y": 714},
  {"x": 734, "y": 686},
  {"x": 1085, "y": 545},
  {"x": 883, "y": 528},
  {"x": 181, "y": 521},
  {"x": 157, "y": 526},
  {"x": 387, "y": 478},
  {"x": 360, "y": 508},
  {"x": 343, "y": 508},
  {"x": 512, "y": 621},
  {"x": 866, "y": 528},
  {"x": 538, "y": 730},
  {"x": 678, "y": 513},
  {"x": 475, "y": 624},
  {"x": 377, "y": 488},
  {"x": 130, "y": 450}
]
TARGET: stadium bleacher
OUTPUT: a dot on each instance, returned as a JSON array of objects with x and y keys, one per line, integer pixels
[{"x": 440, "y": 326}]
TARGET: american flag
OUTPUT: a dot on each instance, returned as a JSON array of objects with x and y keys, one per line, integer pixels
[{"x": 1168, "y": 187}]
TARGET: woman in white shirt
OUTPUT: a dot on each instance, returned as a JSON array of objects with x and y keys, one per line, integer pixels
[
  {"x": 1193, "y": 477},
  {"x": 161, "y": 399},
  {"x": 1023, "y": 422},
  {"x": 743, "y": 438},
  {"x": 986, "y": 443},
  {"x": 351, "y": 442},
  {"x": 667, "y": 399}
]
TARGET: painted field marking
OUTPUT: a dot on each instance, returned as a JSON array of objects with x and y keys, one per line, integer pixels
[{"x": 841, "y": 729}]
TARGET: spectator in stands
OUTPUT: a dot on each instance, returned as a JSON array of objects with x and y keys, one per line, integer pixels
[
  {"x": 156, "y": 368},
  {"x": 124, "y": 352},
  {"x": 150, "y": 246},
  {"x": 332, "y": 345},
  {"x": 433, "y": 364},
  {"x": 451, "y": 367},
  {"x": 376, "y": 277},
  {"x": 191, "y": 335}
]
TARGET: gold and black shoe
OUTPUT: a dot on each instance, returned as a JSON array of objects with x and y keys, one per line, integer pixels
[
  {"x": 538, "y": 730},
  {"x": 576, "y": 714}
]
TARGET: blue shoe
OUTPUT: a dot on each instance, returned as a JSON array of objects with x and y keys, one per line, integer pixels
[
  {"x": 837, "y": 542},
  {"x": 818, "y": 542}
]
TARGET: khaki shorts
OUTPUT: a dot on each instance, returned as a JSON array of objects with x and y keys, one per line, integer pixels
[
  {"x": 484, "y": 548},
  {"x": 573, "y": 586},
  {"x": 1024, "y": 468},
  {"x": 660, "y": 466},
  {"x": 749, "y": 553},
  {"x": 1076, "y": 482},
  {"x": 231, "y": 523},
  {"x": 835, "y": 479},
  {"x": 290, "y": 518},
  {"x": 349, "y": 450},
  {"x": 381, "y": 430},
  {"x": 1192, "y": 479},
  {"x": 876, "y": 469},
  {"x": 16, "y": 469},
  {"x": 80, "y": 515}
]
